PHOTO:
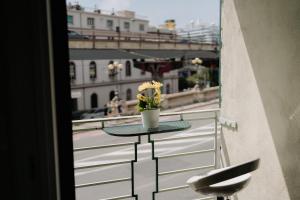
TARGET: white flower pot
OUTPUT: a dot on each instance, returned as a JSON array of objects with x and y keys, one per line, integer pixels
[{"x": 150, "y": 118}]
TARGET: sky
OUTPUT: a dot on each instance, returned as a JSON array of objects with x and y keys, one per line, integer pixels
[{"x": 157, "y": 11}]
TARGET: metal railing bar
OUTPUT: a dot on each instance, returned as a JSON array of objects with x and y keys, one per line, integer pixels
[
  {"x": 102, "y": 182},
  {"x": 102, "y": 165},
  {"x": 118, "y": 198},
  {"x": 103, "y": 146},
  {"x": 138, "y": 116},
  {"x": 205, "y": 198},
  {"x": 87, "y": 129},
  {"x": 216, "y": 141},
  {"x": 174, "y": 188},
  {"x": 185, "y": 137},
  {"x": 190, "y": 112},
  {"x": 186, "y": 153},
  {"x": 100, "y": 128},
  {"x": 104, "y": 119},
  {"x": 184, "y": 170},
  {"x": 199, "y": 118}
]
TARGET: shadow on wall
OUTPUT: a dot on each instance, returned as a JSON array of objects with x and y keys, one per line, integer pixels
[{"x": 274, "y": 55}]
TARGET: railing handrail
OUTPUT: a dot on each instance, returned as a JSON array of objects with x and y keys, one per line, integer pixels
[
  {"x": 82, "y": 121},
  {"x": 156, "y": 158}
]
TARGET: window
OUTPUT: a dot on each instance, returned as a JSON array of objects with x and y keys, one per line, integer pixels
[
  {"x": 168, "y": 88},
  {"x": 128, "y": 68},
  {"x": 93, "y": 70},
  {"x": 90, "y": 21},
  {"x": 72, "y": 71},
  {"x": 142, "y": 27},
  {"x": 74, "y": 104},
  {"x": 126, "y": 26},
  {"x": 111, "y": 95},
  {"x": 109, "y": 24},
  {"x": 70, "y": 19},
  {"x": 128, "y": 94},
  {"x": 94, "y": 100}
]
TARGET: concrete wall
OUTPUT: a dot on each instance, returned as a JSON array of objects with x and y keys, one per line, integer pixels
[
  {"x": 260, "y": 90},
  {"x": 114, "y": 44},
  {"x": 179, "y": 99}
]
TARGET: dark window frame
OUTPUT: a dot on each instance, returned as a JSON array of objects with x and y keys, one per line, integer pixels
[
  {"x": 128, "y": 94},
  {"x": 37, "y": 150},
  {"x": 140, "y": 27},
  {"x": 72, "y": 68},
  {"x": 110, "y": 23},
  {"x": 126, "y": 26},
  {"x": 111, "y": 94},
  {"x": 90, "y": 21},
  {"x": 93, "y": 70},
  {"x": 94, "y": 100},
  {"x": 70, "y": 17},
  {"x": 128, "y": 68},
  {"x": 168, "y": 88}
]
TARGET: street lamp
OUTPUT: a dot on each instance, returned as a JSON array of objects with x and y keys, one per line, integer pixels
[
  {"x": 114, "y": 69},
  {"x": 197, "y": 62}
]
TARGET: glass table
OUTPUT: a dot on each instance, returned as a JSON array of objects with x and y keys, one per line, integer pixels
[{"x": 137, "y": 130}]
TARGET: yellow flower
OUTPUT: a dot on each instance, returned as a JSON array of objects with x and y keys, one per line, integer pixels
[
  {"x": 157, "y": 99},
  {"x": 141, "y": 97},
  {"x": 157, "y": 91},
  {"x": 144, "y": 86},
  {"x": 157, "y": 85}
]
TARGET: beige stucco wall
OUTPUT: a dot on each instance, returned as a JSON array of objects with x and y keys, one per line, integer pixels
[{"x": 261, "y": 91}]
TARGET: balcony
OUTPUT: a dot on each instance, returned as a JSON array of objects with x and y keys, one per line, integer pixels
[
  {"x": 144, "y": 167},
  {"x": 109, "y": 39}
]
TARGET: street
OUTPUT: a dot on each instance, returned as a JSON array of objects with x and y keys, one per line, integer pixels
[{"x": 145, "y": 167}]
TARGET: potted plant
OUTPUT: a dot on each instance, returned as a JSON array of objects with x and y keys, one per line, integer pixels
[{"x": 149, "y": 100}]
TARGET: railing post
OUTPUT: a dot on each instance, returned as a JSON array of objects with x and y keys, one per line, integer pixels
[{"x": 216, "y": 142}]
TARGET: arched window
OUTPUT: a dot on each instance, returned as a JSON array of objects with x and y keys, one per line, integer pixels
[
  {"x": 128, "y": 68},
  {"x": 143, "y": 70},
  {"x": 128, "y": 94},
  {"x": 168, "y": 88},
  {"x": 72, "y": 71},
  {"x": 111, "y": 95},
  {"x": 94, "y": 100},
  {"x": 93, "y": 70}
]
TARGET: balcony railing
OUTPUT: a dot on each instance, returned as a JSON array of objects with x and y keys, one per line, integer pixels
[{"x": 209, "y": 116}]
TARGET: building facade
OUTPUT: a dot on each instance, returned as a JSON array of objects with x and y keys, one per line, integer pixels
[
  {"x": 199, "y": 32},
  {"x": 98, "y": 19},
  {"x": 92, "y": 86}
]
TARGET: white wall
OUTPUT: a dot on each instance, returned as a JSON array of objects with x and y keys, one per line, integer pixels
[
  {"x": 102, "y": 71},
  {"x": 260, "y": 90}
]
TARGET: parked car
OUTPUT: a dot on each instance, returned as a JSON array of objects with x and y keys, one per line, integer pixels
[
  {"x": 77, "y": 114},
  {"x": 75, "y": 35},
  {"x": 98, "y": 113}
]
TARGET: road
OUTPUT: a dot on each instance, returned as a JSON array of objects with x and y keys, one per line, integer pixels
[{"x": 145, "y": 167}]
